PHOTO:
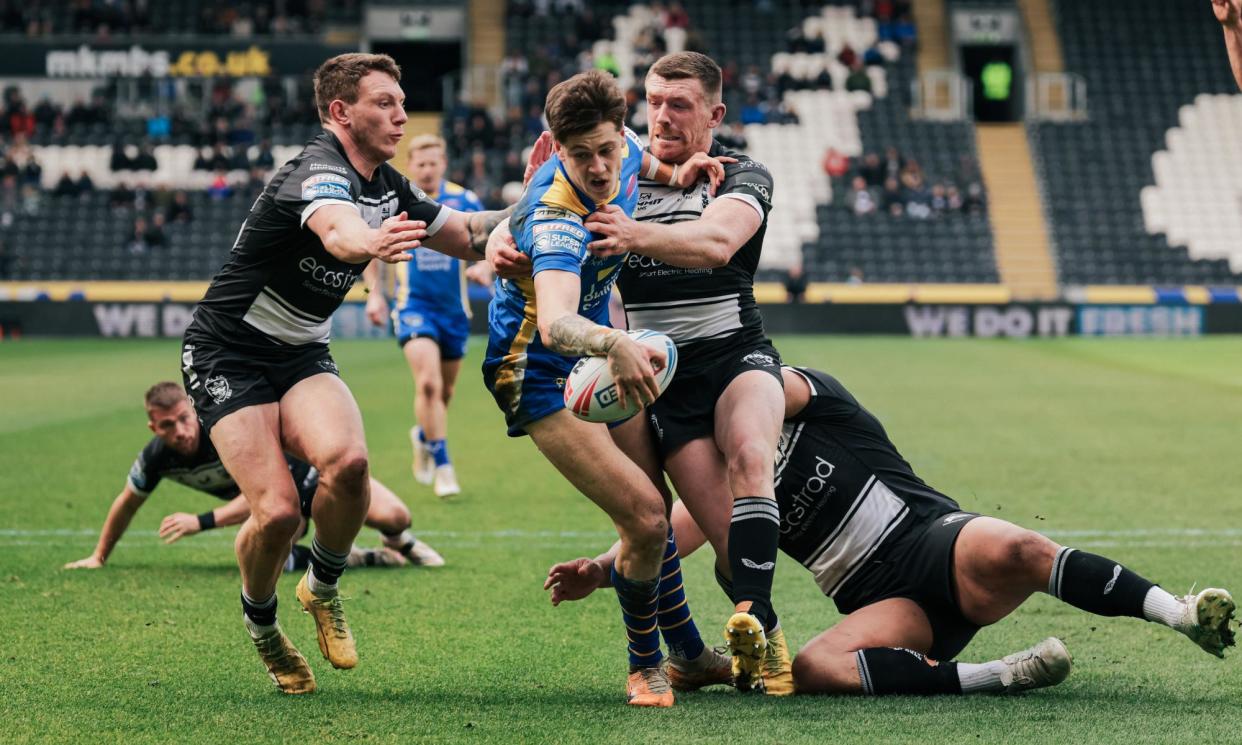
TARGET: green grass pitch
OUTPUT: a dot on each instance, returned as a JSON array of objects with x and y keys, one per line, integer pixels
[{"x": 1124, "y": 447}]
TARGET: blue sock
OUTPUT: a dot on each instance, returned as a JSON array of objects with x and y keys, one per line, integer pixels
[
  {"x": 676, "y": 623},
  {"x": 638, "y": 610},
  {"x": 422, "y": 436},
  {"x": 439, "y": 451}
]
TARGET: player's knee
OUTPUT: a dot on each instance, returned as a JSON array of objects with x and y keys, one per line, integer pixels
[
  {"x": 647, "y": 531},
  {"x": 430, "y": 388},
  {"x": 348, "y": 472},
  {"x": 446, "y": 393},
  {"x": 278, "y": 520},
  {"x": 750, "y": 462},
  {"x": 395, "y": 518},
  {"x": 1025, "y": 551}
]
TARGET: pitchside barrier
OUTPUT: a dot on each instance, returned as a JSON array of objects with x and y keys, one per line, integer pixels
[{"x": 1012, "y": 320}]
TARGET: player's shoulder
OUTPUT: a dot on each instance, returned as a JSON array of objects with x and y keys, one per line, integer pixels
[
  {"x": 828, "y": 394},
  {"x": 744, "y": 165},
  {"x": 155, "y": 453},
  {"x": 451, "y": 189}
]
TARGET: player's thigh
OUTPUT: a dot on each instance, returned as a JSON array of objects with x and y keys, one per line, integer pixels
[
  {"x": 584, "y": 453},
  {"x": 827, "y": 662},
  {"x": 749, "y": 416},
  {"x": 633, "y": 438},
  {"x": 996, "y": 566},
  {"x": 423, "y": 356},
  {"x": 248, "y": 442},
  {"x": 697, "y": 470},
  {"x": 321, "y": 423}
]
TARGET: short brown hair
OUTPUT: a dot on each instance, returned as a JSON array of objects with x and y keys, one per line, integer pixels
[
  {"x": 580, "y": 104},
  {"x": 425, "y": 142},
  {"x": 164, "y": 395},
  {"x": 339, "y": 76},
  {"x": 683, "y": 65}
]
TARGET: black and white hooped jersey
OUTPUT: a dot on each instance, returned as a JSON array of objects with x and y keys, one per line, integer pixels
[
  {"x": 280, "y": 286},
  {"x": 201, "y": 471},
  {"x": 842, "y": 487},
  {"x": 696, "y": 305}
]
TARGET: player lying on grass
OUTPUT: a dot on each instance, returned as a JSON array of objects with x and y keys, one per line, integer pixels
[
  {"x": 180, "y": 453},
  {"x": 541, "y": 325},
  {"x": 915, "y": 576}
]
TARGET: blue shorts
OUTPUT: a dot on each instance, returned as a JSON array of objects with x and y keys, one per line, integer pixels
[
  {"x": 448, "y": 330},
  {"x": 527, "y": 387}
]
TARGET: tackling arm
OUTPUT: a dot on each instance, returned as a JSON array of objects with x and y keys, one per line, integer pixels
[
  {"x": 123, "y": 509},
  {"x": 708, "y": 242},
  {"x": 464, "y": 234},
  {"x": 346, "y": 236}
]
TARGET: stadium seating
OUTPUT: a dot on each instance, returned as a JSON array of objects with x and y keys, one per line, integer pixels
[{"x": 1142, "y": 66}]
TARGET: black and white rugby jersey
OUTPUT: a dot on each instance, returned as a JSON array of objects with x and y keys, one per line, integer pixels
[
  {"x": 842, "y": 487},
  {"x": 698, "y": 305},
  {"x": 202, "y": 471},
  {"x": 280, "y": 286}
]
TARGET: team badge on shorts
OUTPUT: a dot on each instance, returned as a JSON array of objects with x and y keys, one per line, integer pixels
[
  {"x": 219, "y": 389},
  {"x": 759, "y": 359}
]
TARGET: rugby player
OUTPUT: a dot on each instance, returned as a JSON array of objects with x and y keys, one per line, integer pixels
[
  {"x": 915, "y": 576},
  {"x": 180, "y": 453},
  {"x": 541, "y": 324},
  {"x": 1229, "y": 13},
  {"x": 431, "y": 318},
  {"x": 690, "y": 274},
  {"x": 255, "y": 356}
]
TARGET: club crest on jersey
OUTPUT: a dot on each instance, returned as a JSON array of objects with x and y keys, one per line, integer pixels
[
  {"x": 759, "y": 359},
  {"x": 219, "y": 389}
]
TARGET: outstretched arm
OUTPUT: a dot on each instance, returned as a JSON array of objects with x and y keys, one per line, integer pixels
[
  {"x": 708, "y": 242},
  {"x": 181, "y": 524},
  {"x": 574, "y": 580},
  {"x": 123, "y": 509},
  {"x": 1229, "y": 13},
  {"x": 464, "y": 234}
]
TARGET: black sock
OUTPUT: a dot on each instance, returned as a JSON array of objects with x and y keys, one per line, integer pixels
[
  {"x": 327, "y": 564},
  {"x": 1096, "y": 584},
  {"x": 726, "y": 584},
  {"x": 887, "y": 671},
  {"x": 260, "y": 612},
  {"x": 394, "y": 540},
  {"x": 753, "y": 536}
]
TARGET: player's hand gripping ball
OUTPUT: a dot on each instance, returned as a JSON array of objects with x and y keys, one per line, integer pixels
[{"x": 591, "y": 392}]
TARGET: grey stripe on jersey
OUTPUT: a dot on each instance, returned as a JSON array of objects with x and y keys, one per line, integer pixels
[
  {"x": 276, "y": 317},
  {"x": 685, "y": 321},
  {"x": 314, "y": 206},
  {"x": 872, "y": 517},
  {"x": 789, "y": 439}
]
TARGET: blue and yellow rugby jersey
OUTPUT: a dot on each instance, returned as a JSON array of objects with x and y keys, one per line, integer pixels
[
  {"x": 547, "y": 224},
  {"x": 431, "y": 281}
]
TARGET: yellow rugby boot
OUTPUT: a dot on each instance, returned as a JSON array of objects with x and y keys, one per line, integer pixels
[
  {"x": 649, "y": 686},
  {"x": 777, "y": 666},
  {"x": 336, "y": 641},
  {"x": 1206, "y": 620},
  {"x": 746, "y": 640},
  {"x": 285, "y": 664}
]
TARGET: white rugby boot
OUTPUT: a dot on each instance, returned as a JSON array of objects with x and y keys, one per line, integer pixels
[
  {"x": 1206, "y": 619},
  {"x": 1040, "y": 666},
  {"x": 445, "y": 481}
]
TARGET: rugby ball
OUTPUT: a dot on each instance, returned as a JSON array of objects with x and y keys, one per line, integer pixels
[{"x": 591, "y": 393}]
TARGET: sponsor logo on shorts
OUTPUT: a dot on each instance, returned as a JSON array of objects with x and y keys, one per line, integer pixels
[
  {"x": 328, "y": 366},
  {"x": 766, "y": 566},
  {"x": 325, "y": 167},
  {"x": 326, "y": 186},
  {"x": 955, "y": 518},
  {"x": 219, "y": 389},
  {"x": 759, "y": 359},
  {"x": 655, "y": 425}
]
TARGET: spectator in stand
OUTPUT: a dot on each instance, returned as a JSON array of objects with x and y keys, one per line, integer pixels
[
  {"x": 893, "y": 163},
  {"x": 953, "y": 198},
  {"x": 264, "y": 158},
  {"x": 856, "y": 276},
  {"x": 32, "y": 172},
  {"x": 795, "y": 284},
  {"x": 45, "y": 113},
  {"x": 10, "y": 199},
  {"x": 872, "y": 170},
  {"x": 256, "y": 182},
  {"x": 891, "y": 200},
  {"x": 155, "y": 237},
  {"x": 220, "y": 187},
  {"x": 120, "y": 160},
  {"x": 847, "y": 56},
  {"x": 21, "y": 121},
  {"x": 514, "y": 168},
  {"x": 121, "y": 197},
  {"x": 238, "y": 161},
  {"x": 180, "y": 210},
  {"x": 939, "y": 200},
  {"x": 975, "y": 202},
  {"x": 65, "y": 186},
  {"x": 835, "y": 163},
  {"x": 136, "y": 238},
  {"x": 858, "y": 79},
  {"x": 860, "y": 200},
  {"x": 6, "y": 261},
  {"x": 733, "y": 136},
  {"x": 676, "y": 16},
  {"x": 755, "y": 111},
  {"x": 84, "y": 183}
]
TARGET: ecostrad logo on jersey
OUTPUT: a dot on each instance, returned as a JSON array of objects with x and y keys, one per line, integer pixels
[
  {"x": 804, "y": 504},
  {"x": 337, "y": 280}
]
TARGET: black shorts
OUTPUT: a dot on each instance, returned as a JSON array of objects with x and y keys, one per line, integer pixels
[
  {"x": 687, "y": 409},
  {"x": 221, "y": 380},
  {"x": 918, "y": 565}
]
